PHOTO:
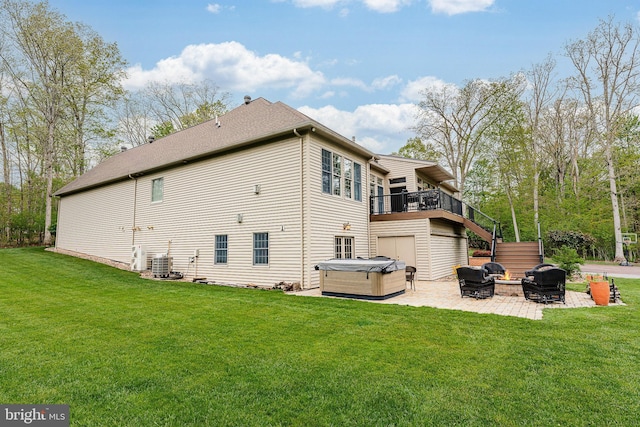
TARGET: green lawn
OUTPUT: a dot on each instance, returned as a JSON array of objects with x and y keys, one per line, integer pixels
[{"x": 124, "y": 351}]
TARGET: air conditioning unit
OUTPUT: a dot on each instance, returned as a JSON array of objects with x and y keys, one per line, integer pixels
[
  {"x": 138, "y": 258},
  {"x": 161, "y": 265}
]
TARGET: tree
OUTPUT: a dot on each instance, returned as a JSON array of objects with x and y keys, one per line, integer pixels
[
  {"x": 160, "y": 109},
  {"x": 49, "y": 48},
  {"x": 607, "y": 76},
  {"x": 416, "y": 149},
  {"x": 93, "y": 84},
  {"x": 540, "y": 78},
  {"x": 456, "y": 120},
  {"x": 184, "y": 104}
]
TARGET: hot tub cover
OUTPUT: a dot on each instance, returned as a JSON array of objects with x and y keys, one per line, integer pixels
[{"x": 366, "y": 265}]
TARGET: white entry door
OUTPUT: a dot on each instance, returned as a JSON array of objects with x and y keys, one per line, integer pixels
[{"x": 398, "y": 247}]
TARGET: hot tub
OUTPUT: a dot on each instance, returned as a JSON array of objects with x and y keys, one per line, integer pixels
[{"x": 362, "y": 278}]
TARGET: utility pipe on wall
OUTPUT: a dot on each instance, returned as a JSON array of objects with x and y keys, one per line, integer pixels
[
  {"x": 135, "y": 202},
  {"x": 302, "y": 241}
]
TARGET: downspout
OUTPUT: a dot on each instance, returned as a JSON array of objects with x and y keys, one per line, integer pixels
[
  {"x": 302, "y": 241},
  {"x": 135, "y": 201},
  {"x": 59, "y": 201},
  {"x": 368, "y": 205}
]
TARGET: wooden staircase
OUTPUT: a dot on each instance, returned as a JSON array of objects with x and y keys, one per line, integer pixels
[{"x": 517, "y": 257}]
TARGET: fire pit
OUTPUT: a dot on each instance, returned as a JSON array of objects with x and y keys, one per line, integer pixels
[{"x": 507, "y": 286}]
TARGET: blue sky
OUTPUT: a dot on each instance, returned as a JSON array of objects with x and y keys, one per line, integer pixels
[{"x": 357, "y": 66}]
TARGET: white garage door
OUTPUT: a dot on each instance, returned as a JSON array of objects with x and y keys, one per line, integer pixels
[{"x": 399, "y": 247}]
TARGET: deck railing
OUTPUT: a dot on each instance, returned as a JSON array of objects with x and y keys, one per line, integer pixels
[{"x": 415, "y": 201}]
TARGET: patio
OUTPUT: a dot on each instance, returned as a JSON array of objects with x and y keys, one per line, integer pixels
[{"x": 446, "y": 294}]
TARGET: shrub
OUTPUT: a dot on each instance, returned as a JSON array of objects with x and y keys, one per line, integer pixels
[
  {"x": 567, "y": 258},
  {"x": 577, "y": 240},
  {"x": 481, "y": 252}
]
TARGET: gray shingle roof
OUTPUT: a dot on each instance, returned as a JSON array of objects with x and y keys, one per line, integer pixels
[{"x": 247, "y": 124}]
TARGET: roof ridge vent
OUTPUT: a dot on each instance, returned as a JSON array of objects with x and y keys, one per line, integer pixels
[{"x": 247, "y": 99}]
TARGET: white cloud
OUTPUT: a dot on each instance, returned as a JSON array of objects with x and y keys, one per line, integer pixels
[
  {"x": 386, "y": 82},
  {"x": 326, "y": 4},
  {"x": 381, "y": 6},
  {"x": 348, "y": 81},
  {"x": 382, "y": 128},
  {"x": 214, "y": 8},
  {"x": 454, "y": 7},
  {"x": 386, "y": 6},
  {"x": 232, "y": 67},
  {"x": 412, "y": 91}
]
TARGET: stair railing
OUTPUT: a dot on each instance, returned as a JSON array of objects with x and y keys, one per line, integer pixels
[
  {"x": 540, "y": 245},
  {"x": 494, "y": 242}
]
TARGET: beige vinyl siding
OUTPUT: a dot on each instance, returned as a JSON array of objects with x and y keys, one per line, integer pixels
[
  {"x": 404, "y": 168},
  {"x": 328, "y": 213},
  {"x": 448, "y": 247},
  {"x": 98, "y": 222},
  {"x": 400, "y": 168},
  {"x": 418, "y": 228},
  {"x": 204, "y": 199}
]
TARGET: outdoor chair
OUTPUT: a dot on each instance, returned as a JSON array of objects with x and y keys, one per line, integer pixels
[
  {"x": 614, "y": 293},
  {"x": 544, "y": 266},
  {"x": 494, "y": 268},
  {"x": 545, "y": 286},
  {"x": 431, "y": 200},
  {"x": 475, "y": 282},
  {"x": 410, "y": 276}
]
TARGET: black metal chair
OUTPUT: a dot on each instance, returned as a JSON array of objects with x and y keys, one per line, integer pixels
[
  {"x": 475, "y": 282},
  {"x": 410, "y": 276},
  {"x": 494, "y": 268},
  {"x": 545, "y": 286},
  {"x": 614, "y": 292},
  {"x": 432, "y": 200},
  {"x": 543, "y": 266}
]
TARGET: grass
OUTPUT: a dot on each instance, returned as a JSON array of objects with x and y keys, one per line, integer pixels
[{"x": 124, "y": 351}]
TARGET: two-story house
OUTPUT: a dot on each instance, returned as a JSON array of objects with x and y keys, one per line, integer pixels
[{"x": 259, "y": 195}]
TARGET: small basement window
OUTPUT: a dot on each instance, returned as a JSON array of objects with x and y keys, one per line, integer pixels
[{"x": 157, "y": 189}]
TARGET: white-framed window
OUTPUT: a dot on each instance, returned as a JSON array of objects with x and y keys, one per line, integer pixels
[
  {"x": 157, "y": 190},
  {"x": 337, "y": 174},
  {"x": 326, "y": 171},
  {"x": 221, "y": 249},
  {"x": 341, "y": 176},
  {"x": 348, "y": 178},
  {"x": 376, "y": 191},
  {"x": 260, "y": 248},
  {"x": 357, "y": 180},
  {"x": 343, "y": 247}
]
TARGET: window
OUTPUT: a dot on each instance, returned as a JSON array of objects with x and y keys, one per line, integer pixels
[
  {"x": 326, "y": 171},
  {"x": 341, "y": 177},
  {"x": 260, "y": 248},
  {"x": 157, "y": 189},
  {"x": 376, "y": 192},
  {"x": 337, "y": 174},
  {"x": 222, "y": 247},
  {"x": 347, "y": 178},
  {"x": 343, "y": 247},
  {"x": 357, "y": 180},
  {"x": 398, "y": 180}
]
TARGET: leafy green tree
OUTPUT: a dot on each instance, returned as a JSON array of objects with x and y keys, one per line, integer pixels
[
  {"x": 607, "y": 64},
  {"x": 416, "y": 149}
]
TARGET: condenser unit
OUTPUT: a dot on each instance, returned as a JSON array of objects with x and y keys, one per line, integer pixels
[
  {"x": 161, "y": 265},
  {"x": 138, "y": 258}
]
